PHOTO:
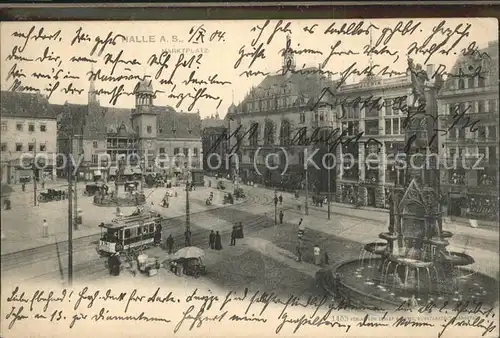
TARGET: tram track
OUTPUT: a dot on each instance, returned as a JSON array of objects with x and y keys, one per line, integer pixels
[
  {"x": 86, "y": 244},
  {"x": 87, "y": 270}
]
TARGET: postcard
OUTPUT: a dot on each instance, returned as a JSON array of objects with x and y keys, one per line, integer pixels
[{"x": 250, "y": 178}]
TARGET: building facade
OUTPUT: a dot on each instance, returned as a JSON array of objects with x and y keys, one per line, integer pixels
[
  {"x": 468, "y": 110},
  {"x": 146, "y": 139},
  {"x": 273, "y": 121},
  {"x": 28, "y": 131},
  {"x": 215, "y": 145}
]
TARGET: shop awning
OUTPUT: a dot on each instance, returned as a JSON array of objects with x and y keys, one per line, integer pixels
[{"x": 97, "y": 173}]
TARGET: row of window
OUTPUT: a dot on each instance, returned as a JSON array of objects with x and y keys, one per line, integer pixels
[
  {"x": 481, "y": 133},
  {"x": 19, "y": 147},
  {"x": 20, "y": 126},
  {"x": 177, "y": 151},
  {"x": 479, "y": 106},
  {"x": 270, "y": 103}
]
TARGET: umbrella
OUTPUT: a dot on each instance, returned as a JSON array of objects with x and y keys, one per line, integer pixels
[{"x": 189, "y": 252}]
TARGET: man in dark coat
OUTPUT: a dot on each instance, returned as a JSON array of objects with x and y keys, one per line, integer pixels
[
  {"x": 233, "y": 236},
  {"x": 281, "y": 216},
  {"x": 281, "y": 199},
  {"x": 114, "y": 264},
  {"x": 170, "y": 244},
  {"x": 218, "y": 241},
  {"x": 211, "y": 240}
]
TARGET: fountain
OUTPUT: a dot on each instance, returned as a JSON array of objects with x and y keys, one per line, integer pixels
[{"x": 413, "y": 262}]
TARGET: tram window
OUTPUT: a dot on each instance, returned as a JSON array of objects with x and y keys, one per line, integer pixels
[
  {"x": 127, "y": 233},
  {"x": 151, "y": 228},
  {"x": 139, "y": 231},
  {"x": 145, "y": 229}
]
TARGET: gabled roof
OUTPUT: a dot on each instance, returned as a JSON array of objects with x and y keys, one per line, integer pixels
[
  {"x": 172, "y": 124},
  {"x": 303, "y": 85},
  {"x": 413, "y": 197},
  {"x": 26, "y": 105},
  {"x": 486, "y": 57}
]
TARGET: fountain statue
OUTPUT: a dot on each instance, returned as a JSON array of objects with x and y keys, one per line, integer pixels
[{"x": 413, "y": 260}]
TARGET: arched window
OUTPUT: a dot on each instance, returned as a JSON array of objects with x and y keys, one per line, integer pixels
[
  {"x": 269, "y": 132},
  {"x": 285, "y": 133},
  {"x": 254, "y": 134},
  {"x": 470, "y": 82}
]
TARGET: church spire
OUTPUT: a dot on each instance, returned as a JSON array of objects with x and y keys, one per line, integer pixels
[
  {"x": 288, "y": 57},
  {"x": 92, "y": 95}
]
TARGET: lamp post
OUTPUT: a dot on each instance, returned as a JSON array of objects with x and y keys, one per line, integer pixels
[
  {"x": 117, "y": 180},
  {"x": 306, "y": 205},
  {"x": 34, "y": 173},
  {"x": 188, "y": 221},
  {"x": 70, "y": 215},
  {"x": 142, "y": 167},
  {"x": 275, "y": 208},
  {"x": 76, "y": 217}
]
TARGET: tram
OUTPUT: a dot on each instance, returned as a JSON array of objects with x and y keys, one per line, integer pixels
[{"x": 129, "y": 232}]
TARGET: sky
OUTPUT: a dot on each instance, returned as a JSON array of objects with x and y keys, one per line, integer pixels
[{"x": 146, "y": 39}]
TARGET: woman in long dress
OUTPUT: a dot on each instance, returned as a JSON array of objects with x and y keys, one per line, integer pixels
[{"x": 218, "y": 241}]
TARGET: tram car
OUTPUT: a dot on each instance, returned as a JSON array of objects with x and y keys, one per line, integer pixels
[{"x": 130, "y": 232}]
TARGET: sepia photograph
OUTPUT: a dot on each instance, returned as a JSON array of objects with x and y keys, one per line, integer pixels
[{"x": 274, "y": 177}]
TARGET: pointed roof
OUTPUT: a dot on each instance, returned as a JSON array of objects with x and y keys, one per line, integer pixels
[{"x": 413, "y": 195}]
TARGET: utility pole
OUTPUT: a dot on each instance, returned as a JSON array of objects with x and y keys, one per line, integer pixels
[
  {"x": 70, "y": 216},
  {"x": 117, "y": 179},
  {"x": 329, "y": 189},
  {"x": 306, "y": 206},
  {"x": 34, "y": 174},
  {"x": 275, "y": 208},
  {"x": 188, "y": 221},
  {"x": 76, "y": 190}
]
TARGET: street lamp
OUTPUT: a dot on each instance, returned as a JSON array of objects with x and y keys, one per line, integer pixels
[
  {"x": 141, "y": 166},
  {"x": 275, "y": 208},
  {"x": 188, "y": 221},
  {"x": 34, "y": 172}
]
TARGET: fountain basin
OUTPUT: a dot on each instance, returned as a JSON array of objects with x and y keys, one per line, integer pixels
[
  {"x": 412, "y": 263},
  {"x": 446, "y": 234},
  {"x": 458, "y": 258},
  {"x": 437, "y": 242},
  {"x": 370, "y": 291},
  {"x": 388, "y": 236},
  {"x": 376, "y": 248}
]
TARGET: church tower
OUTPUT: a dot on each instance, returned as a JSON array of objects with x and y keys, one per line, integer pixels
[
  {"x": 288, "y": 57},
  {"x": 144, "y": 122},
  {"x": 92, "y": 97}
]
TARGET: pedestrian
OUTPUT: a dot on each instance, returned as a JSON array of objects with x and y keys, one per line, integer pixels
[
  {"x": 218, "y": 241},
  {"x": 299, "y": 251},
  {"x": 23, "y": 187},
  {"x": 326, "y": 259},
  {"x": 211, "y": 240},
  {"x": 281, "y": 216},
  {"x": 187, "y": 238},
  {"x": 233, "y": 237},
  {"x": 45, "y": 229},
  {"x": 241, "y": 231},
  {"x": 302, "y": 226},
  {"x": 281, "y": 199},
  {"x": 316, "y": 251},
  {"x": 170, "y": 244}
]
